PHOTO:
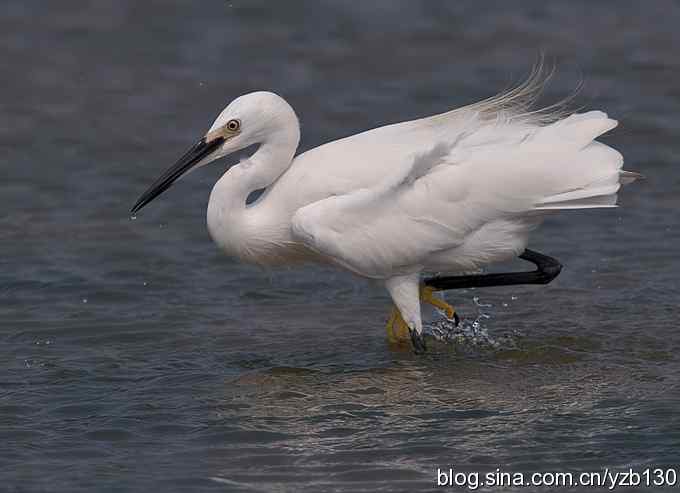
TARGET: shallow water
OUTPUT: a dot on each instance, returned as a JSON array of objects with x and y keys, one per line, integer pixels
[{"x": 133, "y": 356}]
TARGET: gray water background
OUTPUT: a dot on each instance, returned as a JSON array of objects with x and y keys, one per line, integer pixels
[{"x": 135, "y": 357}]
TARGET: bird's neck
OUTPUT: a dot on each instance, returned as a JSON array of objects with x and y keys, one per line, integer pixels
[
  {"x": 231, "y": 224},
  {"x": 264, "y": 167}
]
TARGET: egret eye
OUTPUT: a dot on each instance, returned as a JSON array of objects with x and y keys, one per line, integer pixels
[{"x": 233, "y": 125}]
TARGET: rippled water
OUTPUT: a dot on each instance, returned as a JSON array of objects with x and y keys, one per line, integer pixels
[{"x": 133, "y": 356}]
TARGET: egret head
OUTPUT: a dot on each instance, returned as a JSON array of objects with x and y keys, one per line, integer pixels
[{"x": 250, "y": 119}]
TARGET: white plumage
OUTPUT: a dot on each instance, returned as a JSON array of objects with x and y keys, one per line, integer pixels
[{"x": 450, "y": 193}]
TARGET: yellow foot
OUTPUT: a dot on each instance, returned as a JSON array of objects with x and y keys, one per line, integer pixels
[
  {"x": 397, "y": 330},
  {"x": 427, "y": 295}
]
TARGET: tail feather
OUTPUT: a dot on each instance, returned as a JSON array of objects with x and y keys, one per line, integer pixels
[
  {"x": 579, "y": 195},
  {"x": 590, "y": 202},
  {"x": 592, "y": 174},
  {"x": 577, "y": 130},
  {"x": 628, "y": 177}
]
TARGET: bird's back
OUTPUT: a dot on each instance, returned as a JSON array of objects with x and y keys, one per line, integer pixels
[
  {"x": 344, "y": 165},
  {"x": 368, "y": 158}
]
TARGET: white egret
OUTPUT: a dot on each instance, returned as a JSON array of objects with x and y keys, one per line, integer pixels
[{"x": 450, "y": 193}]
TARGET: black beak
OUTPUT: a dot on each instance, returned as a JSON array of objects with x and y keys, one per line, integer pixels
[{"x": 192, "y": 157}]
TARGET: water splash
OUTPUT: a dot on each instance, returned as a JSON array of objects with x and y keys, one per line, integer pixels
[{"x": 470, "y": 334}]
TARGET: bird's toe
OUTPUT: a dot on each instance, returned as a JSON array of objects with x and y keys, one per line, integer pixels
[{"x": 418, "y": 341}]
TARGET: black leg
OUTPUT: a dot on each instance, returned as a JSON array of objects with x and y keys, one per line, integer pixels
[{"x": 548, "y": 269}]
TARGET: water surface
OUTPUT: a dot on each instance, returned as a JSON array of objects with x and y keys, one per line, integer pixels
[{"x": 133, "y": 356}]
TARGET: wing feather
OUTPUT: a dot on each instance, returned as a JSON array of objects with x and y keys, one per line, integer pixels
[
  {"x": 499, "y": 173},
  {"x": 385, "y": 229}
]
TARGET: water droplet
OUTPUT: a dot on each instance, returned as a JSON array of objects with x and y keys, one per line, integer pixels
[
  {"x": 84, "y": 300},
  {"x": 145, "y": 283},
  {"x": 133, "y": 218},
  {"x": 475, "y": 299}
]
